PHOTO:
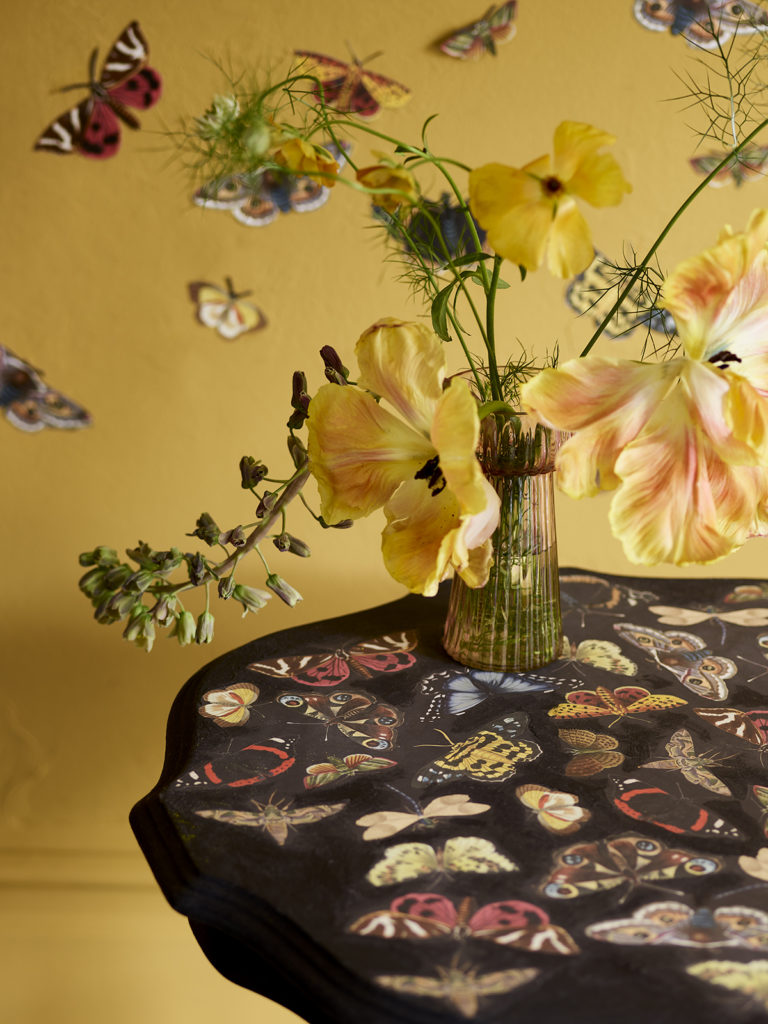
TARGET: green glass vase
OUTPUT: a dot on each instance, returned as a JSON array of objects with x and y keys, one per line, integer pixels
[{"x": 513, "y": 622}]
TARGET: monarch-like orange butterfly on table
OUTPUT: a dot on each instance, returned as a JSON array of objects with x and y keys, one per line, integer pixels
[{"x": 92, "y": 128}]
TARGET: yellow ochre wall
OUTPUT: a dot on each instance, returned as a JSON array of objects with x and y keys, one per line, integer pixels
[{"x": 96, "y": 258}]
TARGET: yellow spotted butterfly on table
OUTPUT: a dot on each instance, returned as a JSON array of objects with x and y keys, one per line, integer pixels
[
  {"x": 225, "y": 310},
  {"x": 555, "y": 811},
  {"x": 471, "y": 854},
  {"x": 598, "y": 653},
  {"x": 593, "y": 752},
  {"x": 624, "y": 700},
  {"x": 463, "y": 988},
  {"x": 492, "y": 754},
  {"x": 229, "y": 706},
  {"x": 750, "y": 978},
  {"x": 382, "y": 824}
]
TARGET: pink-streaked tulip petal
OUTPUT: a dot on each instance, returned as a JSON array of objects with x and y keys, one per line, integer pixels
[
  {"x": 425, "y": 537},
  {"x": 359, "y": 453},
  {"x": 405, "y": 364},
  {"x": 570, "y": 243},
  {"x": 686, "y": 495},
  {"x": 575, "y": 143},
  {"x": 607, "y": 402},
  {"x": 746, "y": 414}
]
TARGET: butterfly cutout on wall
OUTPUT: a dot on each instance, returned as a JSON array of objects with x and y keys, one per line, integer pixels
[
  {"x": 599, "y": 653},
  {"x": 229, "y": 706},
  {"x": 351, "y": 88},
  {"x": 749, "y": 726},
  {"x": 627, "y": 860},
  {"x": 275, "y": 818},
  {"x": 355, "y": 715},
  {"x": 749, "y": 164},
  {"x": 694, "y": 767},
  {"x": 675, "y": 812},
  {"x": 670, "y": 923},
  {"x": 702, "y": 23},
  {"x": 555, "y": 811},
  {"x": 382, "y": 824},
  {"x": 338, "y": 768},
  {"x": 256, "y": 198},
  {"x": 92, "y": 128},
  {"x": 492, "y": 754},
  {"x": 463, "y": 988},
  {"x": 248, "y": 766},
  {"x": 460, "y": 854},
  {"x": 686, "y": 656},
  {"x": 457, "y": 694},
  {"x": 369, "y": 658},
  {"x": 225, "y": 310},
  {"x": 496, "y": 26},
  {"x": 593, "y": 752},
  {"x": 419, "y": 238},
  {"x": 29, "y": 403},
  {"x": 618, "y": 703},
  {"x": 750, "y": 979},
  {"x": 593, "y": 292},
  {"x": 513, "y": 924}
]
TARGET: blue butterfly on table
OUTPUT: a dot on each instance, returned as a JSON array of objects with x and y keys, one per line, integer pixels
[
  {"x": 458, "y": 693},
  {"x": 255, "y": 198}
]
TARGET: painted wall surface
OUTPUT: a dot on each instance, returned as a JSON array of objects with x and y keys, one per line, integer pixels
[{"x": 96, "y": 258}]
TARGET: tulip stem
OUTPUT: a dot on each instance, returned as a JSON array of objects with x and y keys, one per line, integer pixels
[{"x": 667, "y": 228}]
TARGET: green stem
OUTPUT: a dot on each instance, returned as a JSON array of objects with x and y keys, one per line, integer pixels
[
  {"x": 667, "y": 228},
  {"x": 490, "y": 311}
]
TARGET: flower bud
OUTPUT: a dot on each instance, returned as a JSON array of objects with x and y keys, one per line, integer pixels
[
  {"x": 297, "y": 451},
  {"x": 92, "y": 582},
  {"x": 139, "y": 581},
  {"x": 252, "y": 472},
  {"x": 284, "y": 590},
  {"x": 226, "y": 587},
  {"x": 115, "y": 578},
  {"x": 184, "y": 629},
  {"x": 335, "y": 370},
  {"x": 140, "y": 629},
  {"x": 163, "y": 612},
  {"x": 99, "y": 556},
  {"x": 235, "y": 536},
  {"x": 299, "y": 401},
  {"x": 198, "y": 570},
  {"x": 287, "y": 542},
  {"x": 266, "y": 504},
  {"x": 206, "y": 530},
  {"x": 204, "y": 632},
  {"x": 250, "y": 598}
]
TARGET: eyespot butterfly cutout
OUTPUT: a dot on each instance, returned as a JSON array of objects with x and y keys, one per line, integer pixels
[
  {"x": 462, "y": 987},
  {"x": 670, "y": 923},
  {"x": 460, "y": 854},
  {"x": 492, "y": 754},
  {"x": 351, "y": 88},
  {"x": 751, "y": 978},
  {"x": 357, "y": 716},
  {"x": 248, "y": 766},
  {"x": 555, "y": 811},
  {"x": 92, "y": 128},
  {"x": 255, "y": 199},
  {"x": 496, "y": 26},
  {"x": 694, "y": 767},
  {"x": 336, "y": 769},
  {"x": 628, "y": 860},
  {"x": 382, "y": 824},
  {"x": 225, "y": 310},
  {"x": 593, "y": 752},
  {"x": 599, "y": 653},
  {"x": 29, "y": 403},
  {"x": 593, "y": 292},
  {"x": 702, "y": 23},
  {"x": 229, "y": 706},
  {"x": 684, "y": 655},
  {"x": 670, "y": 810},
  {"x": 624, "y": 700},
  {"x": 456, "y": 693},
  {"x": 275, "y": 818},
  {"x": 384, "y": 654},
  {"x": 749, "y": 164},
  {"x": 748, "y": 726},
  {"x": 513, "y": 924}
]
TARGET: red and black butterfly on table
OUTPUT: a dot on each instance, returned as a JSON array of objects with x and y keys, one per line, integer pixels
[{"x": 92, "y": 128}]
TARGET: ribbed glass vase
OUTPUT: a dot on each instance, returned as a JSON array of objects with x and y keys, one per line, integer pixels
[{"x": 513, "y": 622}]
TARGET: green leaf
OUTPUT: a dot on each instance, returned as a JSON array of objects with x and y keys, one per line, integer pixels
[
  {"x": 523, "y": 272},
  {"x": 440, "y": 311}
]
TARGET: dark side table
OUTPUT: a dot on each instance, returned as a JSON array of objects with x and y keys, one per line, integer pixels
[{"x": 364, "y": 831}]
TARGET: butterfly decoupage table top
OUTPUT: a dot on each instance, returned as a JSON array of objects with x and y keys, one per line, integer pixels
[{"x": 359, "y": 828}]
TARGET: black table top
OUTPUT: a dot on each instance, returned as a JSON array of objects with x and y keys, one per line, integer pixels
[{"x": 362, "y": 830}]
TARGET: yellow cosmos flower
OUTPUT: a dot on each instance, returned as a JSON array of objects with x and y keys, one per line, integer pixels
[
  {"x": 683, "y": 442},
  {"x": 301, "y": 157},
  {"x": 416, "y": 462},
  {"x": 531, "y": 211},
  {"x": 398, "y": 181}
]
